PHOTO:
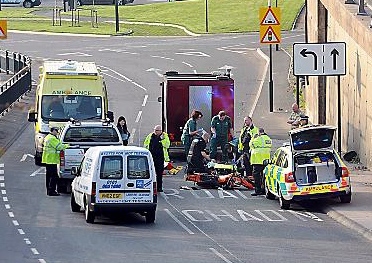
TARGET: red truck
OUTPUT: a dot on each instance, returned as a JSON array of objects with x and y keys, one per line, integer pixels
[{"x": 183, "y": 92}]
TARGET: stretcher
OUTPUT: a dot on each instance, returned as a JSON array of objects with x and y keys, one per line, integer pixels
[{"x": 220, "y": 175}]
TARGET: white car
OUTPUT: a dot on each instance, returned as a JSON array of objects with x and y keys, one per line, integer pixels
[
  {"x": 307, "y": 168},
  {"x": 24, "y": 3},
  {"x": 81, "y": 136}
]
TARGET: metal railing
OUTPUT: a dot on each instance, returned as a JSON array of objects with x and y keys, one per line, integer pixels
[{"x": 17, "y": 69}]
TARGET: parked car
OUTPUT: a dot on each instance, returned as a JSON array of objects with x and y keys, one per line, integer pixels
[
  {"x": 103, "y": 2},
  {"x": 307, "y": 168},
  {"x": 24, "y": 3}
]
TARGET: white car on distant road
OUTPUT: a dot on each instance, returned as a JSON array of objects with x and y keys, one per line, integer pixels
[{"x": 24, "y": 3}]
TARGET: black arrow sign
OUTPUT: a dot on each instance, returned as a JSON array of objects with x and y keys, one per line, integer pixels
[
  {"x": 304, "y": 53},
  {"x": 334, "y": 53}
]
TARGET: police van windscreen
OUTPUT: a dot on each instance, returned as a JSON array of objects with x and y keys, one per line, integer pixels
[{"x": 64, "y": 107}]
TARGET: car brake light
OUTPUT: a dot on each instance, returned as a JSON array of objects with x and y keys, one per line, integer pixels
[
  {"x": 93, "y": 191},
  {"x": 289, "y": 178},
  {"x": 154, "y": 188},
  {"x": 345, "y": 172},
  {"x": 62, "y": 158}
]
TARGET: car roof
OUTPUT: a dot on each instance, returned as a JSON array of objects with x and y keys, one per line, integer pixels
[{"x": 90, "y": 124}]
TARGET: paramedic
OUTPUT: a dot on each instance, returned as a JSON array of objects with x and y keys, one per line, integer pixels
[
  {"x": 221, "y": 126},
  {"x": 190, "y": 130},
  {"x": 158, "y": 143},
  {"x": 260, "y": 146},
  {"x": 246, "y": 134},
  {"x": 198, "y": 156},
  {"x": 51, "y": 149}
]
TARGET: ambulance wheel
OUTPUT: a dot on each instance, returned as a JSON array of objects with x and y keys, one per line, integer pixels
[
  {"x": 74, "y": 206},
  {"x": 284, "y": 204},
  {"x": 150, "y": 217},
  {"x": 268, "y": 194},
  {"x": 89, "y": 215},
  {"x": 345, "y": 199}
]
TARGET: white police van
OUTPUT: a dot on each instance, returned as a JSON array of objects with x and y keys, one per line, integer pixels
[{"x": 115, "y": 178}]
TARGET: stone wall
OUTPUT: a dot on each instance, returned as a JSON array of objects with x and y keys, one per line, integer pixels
[{"x": 335, "y": 21}]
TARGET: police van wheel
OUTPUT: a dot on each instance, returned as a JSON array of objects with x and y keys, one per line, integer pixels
[
  {"x": 150, "y": 216},
  {"x": 89, "y": 215},
  {"x": 74, "y": 206},
  {"x": 345, "y": 199}
]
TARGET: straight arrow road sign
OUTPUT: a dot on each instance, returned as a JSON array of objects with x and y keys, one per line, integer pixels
[{"x": 319, "y": 59}]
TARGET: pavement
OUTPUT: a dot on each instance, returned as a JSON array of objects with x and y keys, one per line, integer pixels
[{"x": 357, "y": 215}]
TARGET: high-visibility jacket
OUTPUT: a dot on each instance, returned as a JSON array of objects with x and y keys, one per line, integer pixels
[
  {"x": 260, "y": 148},
  {"x": 52, "y": 147},
  {"x": 165, "y": 142},
  {"x": 252, "y": 130}
]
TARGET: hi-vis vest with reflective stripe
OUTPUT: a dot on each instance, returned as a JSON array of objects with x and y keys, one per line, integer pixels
[
  {"x": 51, "y": 149},
  {"x": 252, "y": 133},
  {"x": 260, "y": 149},
  {"x": 165, "y": 142}
]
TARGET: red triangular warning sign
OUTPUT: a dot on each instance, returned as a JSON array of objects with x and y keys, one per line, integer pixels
[
  {"x": 270, "y": 36},
  {"x": 269, "y": 18},
  {"x": 2, "y": 34}
]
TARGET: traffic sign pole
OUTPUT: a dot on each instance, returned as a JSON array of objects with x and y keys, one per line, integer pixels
[
  {"x": 339, "y": 114},
  {"x": 271, "y": 82}
]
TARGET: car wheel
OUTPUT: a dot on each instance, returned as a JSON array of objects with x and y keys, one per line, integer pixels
[
  {"x": 284, "y": 204},
  {"x": 74, "y": 206},
  {"x": 268, "y": 194},
  {"x": 27, "y": 4},
  {"x": 89, "y": 215},
  {"x": 150, "y": 216},
  {"x": 345, "y": 198}
]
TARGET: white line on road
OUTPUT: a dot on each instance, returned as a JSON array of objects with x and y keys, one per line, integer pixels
[
  {"x": 220, "y": 255},
  {"x": 42, "y": 260},
  {"x": 138, "y": 116},
  {"x": 5, "y": 199},
  {"x": 10, "y": 214},
  {"x": 179, "y": 222},
  {"x": 38, "y": 171},
  {"x": 1, "y": 165},
  {"x": 187, "y": 64},
  {"x": 263, "y": 55},
  {"x": 7, "y": 206},
  {"x": 34, "y": 250},
  {"x": 3, "y": 192},
  {"x": 132, "y": 135},
  {"x": 2, "y": 185},
  {"x": 15, "y": 222},
  {"x": 20, "y": 231},
  {"x": 2, "y": 172},
  {"x": 28, "y": 242},
  {"x": 24, "y": 157},
  {"x": 145, "y": 100}
]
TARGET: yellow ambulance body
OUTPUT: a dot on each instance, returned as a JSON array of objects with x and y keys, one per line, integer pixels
[{"x": 67, "y": 89}]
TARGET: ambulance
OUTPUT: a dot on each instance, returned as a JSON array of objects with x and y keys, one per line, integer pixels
[
  {"x": 183, "y": 92},
  {"x": 115, "y": 179},
  {"x": 67, "y": 89}
]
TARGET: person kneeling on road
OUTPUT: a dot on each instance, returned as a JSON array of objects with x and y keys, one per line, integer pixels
[
  {"x": 260, "y": 146},
  {"x": 51, "y": 149},
  {"x": 197, "y": 157}
]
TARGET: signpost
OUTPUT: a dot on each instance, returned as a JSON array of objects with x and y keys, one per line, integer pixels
[
  {"x": 321, "y": 59},
  {"x": 3, "y": 29},
  {"x": 270, "y": 34}
]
